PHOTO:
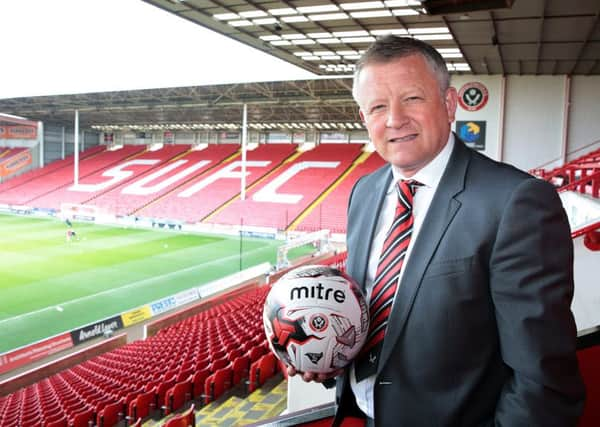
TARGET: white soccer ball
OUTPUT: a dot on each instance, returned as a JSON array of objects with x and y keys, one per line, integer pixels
[{"x": 316, "y": 319}]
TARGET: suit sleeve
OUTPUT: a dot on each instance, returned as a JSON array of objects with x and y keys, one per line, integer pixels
[{"x": 531, "y": 283}]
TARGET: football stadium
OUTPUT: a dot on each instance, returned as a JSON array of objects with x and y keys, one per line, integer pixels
[{"x": 142, "y": 230}]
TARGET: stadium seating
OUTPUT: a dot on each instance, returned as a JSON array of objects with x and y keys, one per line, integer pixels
[
  {"x": 306, "y": 185},
  {"x": 198, "y": 198},
  {"x": 181, "y": 362},
  {"x": 331, "y": 213},
  {"x": 186, "y": 419},
  {"x": 92, "y": 182},
  {"x": 48, "y": 169},
  {"x": 581, "y": 174},
  {"x": 37, "y": 191}
]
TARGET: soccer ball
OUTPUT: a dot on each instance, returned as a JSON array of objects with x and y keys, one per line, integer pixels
[{"x": 316, "y": 319}]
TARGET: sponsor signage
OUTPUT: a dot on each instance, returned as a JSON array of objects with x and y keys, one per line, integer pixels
[
  {"x": 473, "y": 96},
  {"x": 169, "y": 137},
  {"x": 136, "y": 316},
  {"x": 109, "y": 138},
  {"x": 472, "y": 132},
  {"x": 14, "y": 163},
  {"x": 95, "y": 330},
  {"x": 18, "y": 132},
  {"x": 33, "y": 352}
]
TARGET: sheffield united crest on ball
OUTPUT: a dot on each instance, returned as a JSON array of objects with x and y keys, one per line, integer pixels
[{"x": 316, "y": 319}]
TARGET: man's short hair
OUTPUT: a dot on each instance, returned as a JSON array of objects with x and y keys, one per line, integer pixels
[{"x": 390, "y": 47}]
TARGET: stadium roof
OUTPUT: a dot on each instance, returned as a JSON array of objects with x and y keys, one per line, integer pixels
[
  {"x": 537, "y": 37},
  {"x": 309, "y": 101},
  {"x": 484, "y": 36}
]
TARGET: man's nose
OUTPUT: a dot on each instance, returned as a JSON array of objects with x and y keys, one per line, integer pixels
[{"x": 396, "y": 117}]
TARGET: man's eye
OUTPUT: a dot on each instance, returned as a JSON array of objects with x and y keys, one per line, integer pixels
[
  {"x": 377, "y": 108},
  {"x": 413, "y": 98}
]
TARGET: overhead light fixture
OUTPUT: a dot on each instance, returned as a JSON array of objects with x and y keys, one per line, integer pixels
[
  {"x": 330, "y": 57},
  {"x": 319, "y": 35},
  {"x": 402, "y": 3},
  {"x": 371, "y": 14},
  {"x": 318, "y": 9},
  {"x": 448, "y": 50},
  {"x": 345, "y": 52},
  {"x": 362, "y": 5},
  {"x": 404, "y": 12},
  {"x": 451, "y": 55},
  {"x": 252, "y": 14},
  {"x": 265, "y": 21},
  {"x": 299, "y": 18},
  {"x": 293, "y": 36},
  {"x": 225, "y": 16},
  {"x": 303, "y": 42},
  {"x": 323, "y": 52},
  {"x": 351, "y": 33},
  {"x": 281, "y": 43},
  {"x": 328, "y": 17},
  {"x": 429, "y": 37},
  {"x": 395, "y": 31},
  {"x": 311, "y": 58},
  {"x": 270, "y": 38},
  {"x": 368, "y": 39},
  {"x": 241, "y": 23},
  {"x": 283, "y": 11},
  {"x": 328, "y": 41},
  {"x": 430, "y": 30}
]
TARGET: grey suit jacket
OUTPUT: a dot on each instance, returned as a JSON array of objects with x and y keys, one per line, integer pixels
[{"x": 481, "y": 331}]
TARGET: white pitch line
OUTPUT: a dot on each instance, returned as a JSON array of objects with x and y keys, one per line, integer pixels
[{"x": 109, "y": 291}]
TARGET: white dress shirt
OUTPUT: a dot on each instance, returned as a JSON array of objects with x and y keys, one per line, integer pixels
[{"x": 430, "y": 177}]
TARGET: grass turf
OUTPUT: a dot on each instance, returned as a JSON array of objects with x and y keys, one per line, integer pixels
[{"x": 49, "y": 285}]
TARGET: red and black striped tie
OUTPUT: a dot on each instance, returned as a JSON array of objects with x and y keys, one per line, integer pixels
[{"x": 386, "y": 278}]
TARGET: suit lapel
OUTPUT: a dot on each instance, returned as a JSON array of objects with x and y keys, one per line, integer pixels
[
  {"x": 368, "y": 221},
  {"x": 441, "y": 211}
]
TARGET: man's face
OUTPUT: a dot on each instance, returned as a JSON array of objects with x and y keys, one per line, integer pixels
[{"x": 407, "y": 117}]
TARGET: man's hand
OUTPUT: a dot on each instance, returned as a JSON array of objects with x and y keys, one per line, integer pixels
[{"x": 313, "y": 376}]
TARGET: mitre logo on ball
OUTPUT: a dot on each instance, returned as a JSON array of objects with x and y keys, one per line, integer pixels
[{"x": 316, "y": 319}]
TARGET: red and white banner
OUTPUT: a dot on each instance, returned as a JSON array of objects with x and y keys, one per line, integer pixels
[{"x": 33, "y": 352}]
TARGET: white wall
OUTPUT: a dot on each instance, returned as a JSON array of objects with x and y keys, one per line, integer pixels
[
  {"x": 586, "y": 301},
  {"x": 584, "y": 120},
  {"x": 533, "y": 120},
  {"x": 534, "y": 116}
]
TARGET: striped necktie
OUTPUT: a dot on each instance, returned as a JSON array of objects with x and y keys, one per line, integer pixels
[{"x": 386, "y": 278}]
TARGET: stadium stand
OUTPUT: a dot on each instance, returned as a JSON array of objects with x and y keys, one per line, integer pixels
[
  {"x": 40, "y": 186},
  {"x": 265, "y": 205},
  {"x": 581, "y": 174},
  {"x": 94, "y": 184},
  {"x": 48, "y": 169},
  {"x": 163, "y": 371},
  {"x": 198, "y": 198},
  {"x": 331, "y": 213}
]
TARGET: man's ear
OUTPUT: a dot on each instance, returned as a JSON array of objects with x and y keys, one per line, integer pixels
[
  {"x": 362, "y": 116},
  {"x": 451, "y": 102}
]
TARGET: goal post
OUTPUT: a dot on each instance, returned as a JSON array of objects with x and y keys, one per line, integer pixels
[{"x": 319, "y": 239}]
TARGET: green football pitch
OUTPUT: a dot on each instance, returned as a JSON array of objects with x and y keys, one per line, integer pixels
[{"x": 49, "y": 285}]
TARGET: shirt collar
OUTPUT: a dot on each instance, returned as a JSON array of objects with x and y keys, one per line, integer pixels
[{"x": 431, "y": 174}]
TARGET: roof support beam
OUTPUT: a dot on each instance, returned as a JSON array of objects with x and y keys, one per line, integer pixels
[{"x": 540, "y": 38}]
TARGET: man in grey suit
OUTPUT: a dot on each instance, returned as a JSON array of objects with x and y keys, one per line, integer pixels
[{"x": 480, "y": 331}]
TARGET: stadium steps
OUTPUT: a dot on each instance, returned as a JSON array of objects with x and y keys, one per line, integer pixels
[
  {"x": 359, "y": 160},
  {"x": 266, "y": 402},
  {"x": 275, "y": 170},
  {"x": 235, "y": 409},
  {"x": 188, "y": 180}
]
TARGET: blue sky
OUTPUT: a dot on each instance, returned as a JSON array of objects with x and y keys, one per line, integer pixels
[{"x": 52, "y": 47}]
